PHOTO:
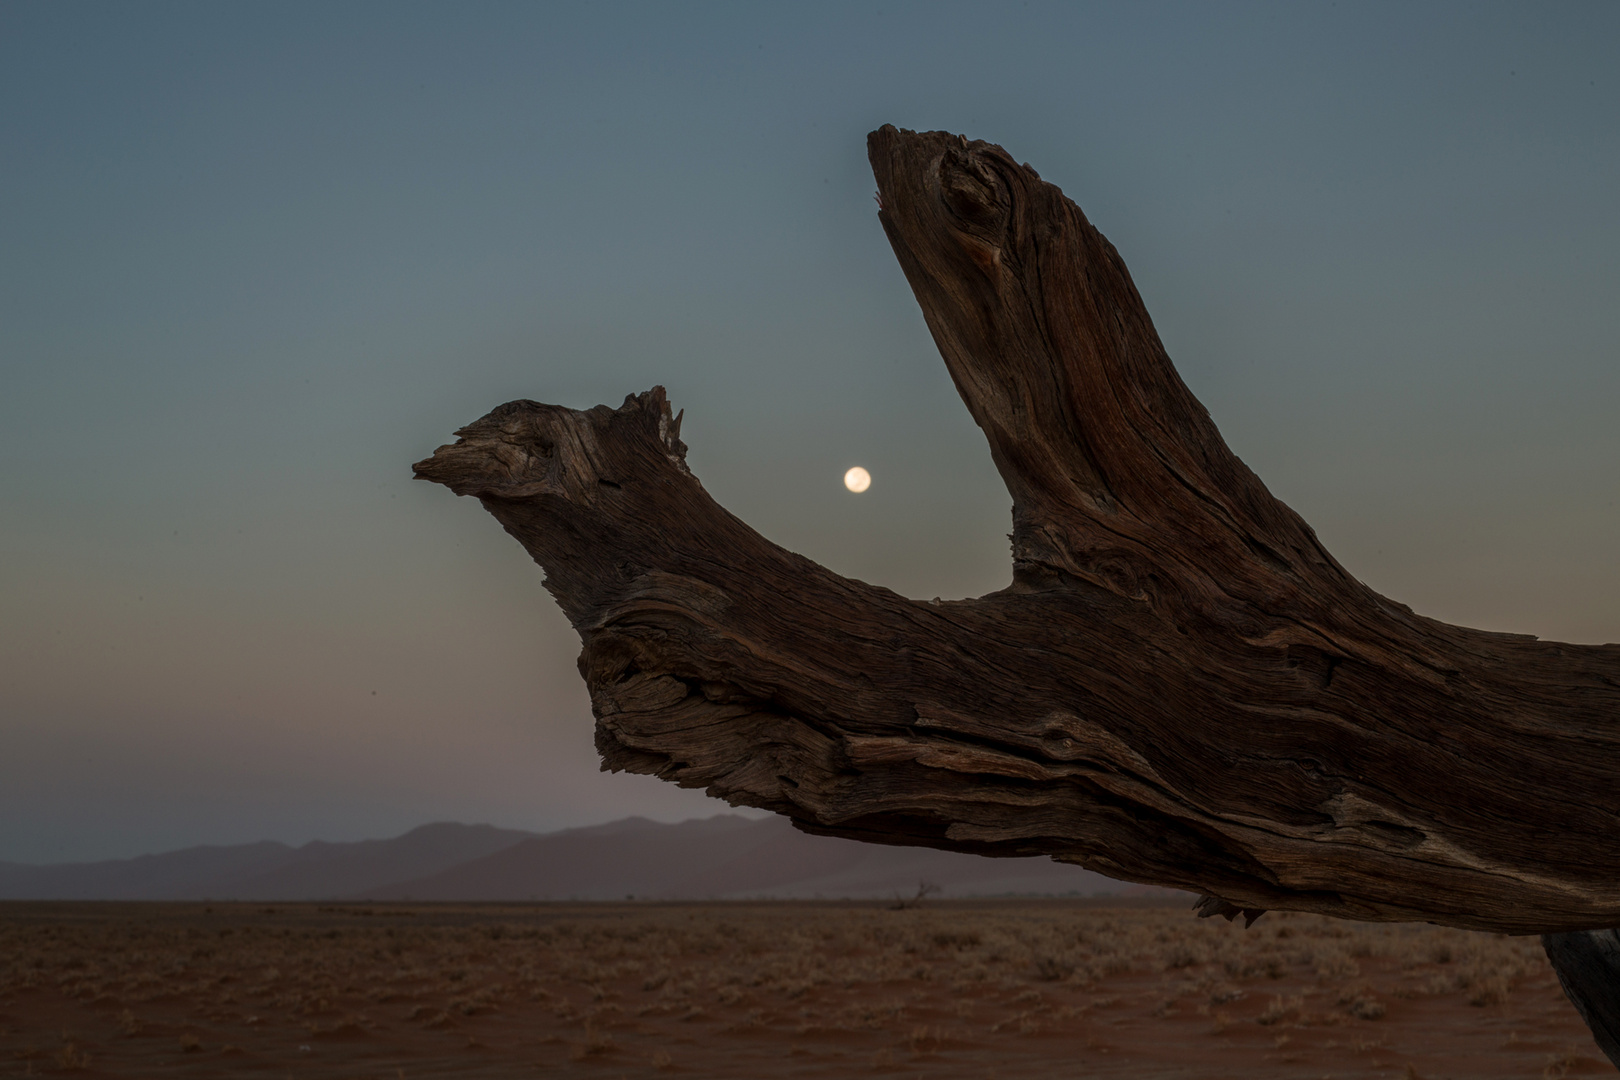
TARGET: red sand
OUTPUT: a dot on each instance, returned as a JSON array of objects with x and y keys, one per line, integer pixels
[{"x": 950, "y": 989}]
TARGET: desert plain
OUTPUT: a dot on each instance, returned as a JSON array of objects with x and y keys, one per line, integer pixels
[{"x": 977, "y": 989}]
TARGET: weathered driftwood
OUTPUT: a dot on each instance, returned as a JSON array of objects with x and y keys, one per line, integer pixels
[{"x": 1180, "y": 687}]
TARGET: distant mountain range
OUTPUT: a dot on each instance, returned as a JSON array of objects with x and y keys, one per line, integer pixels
[{"x": 726, "y": 857}]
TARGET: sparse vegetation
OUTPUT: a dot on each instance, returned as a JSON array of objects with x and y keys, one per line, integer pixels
[
  {"x": 925, "y": 889},
  {"x": 801, "y": 989}
]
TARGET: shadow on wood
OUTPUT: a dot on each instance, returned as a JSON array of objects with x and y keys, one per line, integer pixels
[{"x": 1179, "y": 687}]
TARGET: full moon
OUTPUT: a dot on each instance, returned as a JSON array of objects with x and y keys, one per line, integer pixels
[{"x": 857, "y": 479}]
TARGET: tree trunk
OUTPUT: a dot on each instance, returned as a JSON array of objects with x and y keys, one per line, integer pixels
[
  {"x": 1180, "y": 687},
  {"x": 1588, "y": 966}
]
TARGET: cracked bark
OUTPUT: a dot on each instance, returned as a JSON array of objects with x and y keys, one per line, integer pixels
[{"x": 1180, "y": 687}]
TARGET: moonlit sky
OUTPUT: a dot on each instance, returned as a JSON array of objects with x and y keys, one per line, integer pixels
[{"x": 255, "y": 260}]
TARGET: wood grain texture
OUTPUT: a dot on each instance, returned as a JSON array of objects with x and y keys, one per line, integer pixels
[{"x": 1180, "y": 687}]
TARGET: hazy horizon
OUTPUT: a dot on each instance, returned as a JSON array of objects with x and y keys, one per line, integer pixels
[
  {"x": 721, "y": 810},
  {"x": 257, "y": 260}
]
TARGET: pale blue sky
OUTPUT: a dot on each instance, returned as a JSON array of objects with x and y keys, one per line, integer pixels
[{"x": 257, "y": 259}]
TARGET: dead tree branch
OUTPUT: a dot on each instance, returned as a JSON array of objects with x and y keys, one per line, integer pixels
[{"x": 1180, "y": 687}]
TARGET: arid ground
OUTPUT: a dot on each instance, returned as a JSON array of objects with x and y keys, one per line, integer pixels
[{"x": 1059, "y": 988}]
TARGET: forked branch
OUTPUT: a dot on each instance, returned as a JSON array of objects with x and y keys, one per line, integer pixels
[{"x": 1180, "y": 687}]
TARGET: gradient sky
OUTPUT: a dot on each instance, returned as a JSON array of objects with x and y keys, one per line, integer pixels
[{"x": 255, "y": 260}]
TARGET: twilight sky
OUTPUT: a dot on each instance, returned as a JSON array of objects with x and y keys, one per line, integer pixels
[{"x": 255, "y": 260}]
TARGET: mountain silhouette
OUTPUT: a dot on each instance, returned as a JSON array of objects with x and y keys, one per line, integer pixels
[{"x": 720, "y": 858}]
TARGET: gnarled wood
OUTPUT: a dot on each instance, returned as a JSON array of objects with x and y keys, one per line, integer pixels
[{"x": 1180, "y": 687}]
